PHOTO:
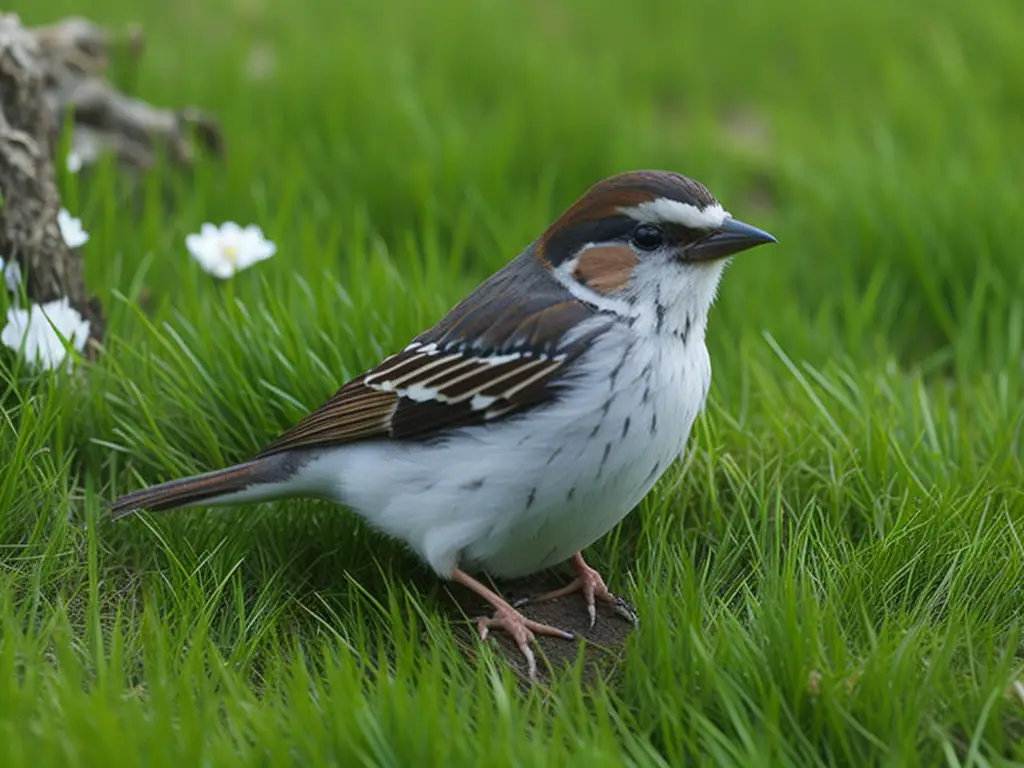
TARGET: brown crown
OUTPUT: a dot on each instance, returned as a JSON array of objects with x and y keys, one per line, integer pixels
[{"x": 596, "y": 216}]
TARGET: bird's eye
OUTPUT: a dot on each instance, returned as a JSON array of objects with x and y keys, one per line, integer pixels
[{"x": 647, "y": 237}]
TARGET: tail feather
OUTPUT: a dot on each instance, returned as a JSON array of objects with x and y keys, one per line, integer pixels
[{"x": 269, "y": 472}]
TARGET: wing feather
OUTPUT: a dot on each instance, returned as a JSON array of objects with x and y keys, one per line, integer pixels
[
  {"x": 354, "y": 413},
  {"x": 491, "y": 356}
]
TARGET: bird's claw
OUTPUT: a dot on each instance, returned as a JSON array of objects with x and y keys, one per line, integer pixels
[
  {"x": 625, "y": 610},
  {"x": 523, "y": 632},
  {"x": 592, "y": 586}
]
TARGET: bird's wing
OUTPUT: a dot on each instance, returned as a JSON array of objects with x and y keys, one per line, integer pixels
[{"x": 501, "y": 350}]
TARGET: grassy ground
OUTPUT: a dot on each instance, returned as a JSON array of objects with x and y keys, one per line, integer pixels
[{"x": 833, "y": 576}]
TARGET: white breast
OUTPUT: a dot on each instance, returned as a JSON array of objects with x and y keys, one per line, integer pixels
[
  {"x": 516, "y": 496},
  {"x": 609, "y": 455}
]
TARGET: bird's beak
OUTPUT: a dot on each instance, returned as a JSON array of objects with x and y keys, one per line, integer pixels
[{"x": 732, "y": 237}]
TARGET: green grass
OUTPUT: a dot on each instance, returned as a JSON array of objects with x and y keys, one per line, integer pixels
[{"x": 834, "y": 574}]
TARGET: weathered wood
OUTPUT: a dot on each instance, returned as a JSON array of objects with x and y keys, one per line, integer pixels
[
  {"x": 29, "y": 233},
  {"x": 74, "y": 54},
  {"x": 49, "y": 76}
]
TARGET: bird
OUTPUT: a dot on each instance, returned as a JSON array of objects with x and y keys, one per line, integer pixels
[{"x": 537, "y": 412}]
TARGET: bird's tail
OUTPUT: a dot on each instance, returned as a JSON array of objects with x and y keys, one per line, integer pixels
[{"x": 256, "y": 480}]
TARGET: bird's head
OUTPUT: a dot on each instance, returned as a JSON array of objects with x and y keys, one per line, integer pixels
[{"x": 646, "y": 243}]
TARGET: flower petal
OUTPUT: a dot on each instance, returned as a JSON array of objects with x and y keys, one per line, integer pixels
[
  {"x": 230, "y": 229},
  {"x": 12, "y": 275},
  {"x": 199, "y": 245},
  {"x": 222, "y": 269},
  {"x": 38, "y": 332},
  {"x": 71, "y": 229}
]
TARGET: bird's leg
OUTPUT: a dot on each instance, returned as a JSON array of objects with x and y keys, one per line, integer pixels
[
  {"x": 509, "y": 619},
  {"x": 589, "y": 582}
]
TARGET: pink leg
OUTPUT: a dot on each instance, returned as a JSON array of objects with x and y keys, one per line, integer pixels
[
  {"x": 509, "y": 619},
  {"x": 589, "y": 582}
]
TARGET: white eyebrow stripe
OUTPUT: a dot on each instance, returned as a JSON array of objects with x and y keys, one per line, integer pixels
[{"x": 665, "y": 210}]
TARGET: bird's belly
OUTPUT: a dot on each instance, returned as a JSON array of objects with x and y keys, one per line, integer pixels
[
  {"x": 574, "y": 513},
  {"x": 515, "y": 498},
  {"x": 585, "y": 491}
]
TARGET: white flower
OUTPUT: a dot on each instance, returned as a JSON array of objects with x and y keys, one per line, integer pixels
[
  {"x": 222, "y": 251},
  {"x": 12, "y": 275},
  {"x": 71, "y": 229},
  {"x": 32, "y": 327},
  {"x": 74, "y": 162}
]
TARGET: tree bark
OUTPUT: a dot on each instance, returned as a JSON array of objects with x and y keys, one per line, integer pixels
[
  {"x": 29, "y": 233},
  {"x": 50, "y": 74}
]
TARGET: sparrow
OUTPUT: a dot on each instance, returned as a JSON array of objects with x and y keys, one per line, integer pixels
[{"x": 534, "y": 415}]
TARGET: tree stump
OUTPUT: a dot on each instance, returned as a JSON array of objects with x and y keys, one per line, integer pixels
[
  {"x": 29, "y": 233},
  {"x": 49, "y": 76}
]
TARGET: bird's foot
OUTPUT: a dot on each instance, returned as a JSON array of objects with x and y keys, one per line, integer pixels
[
  {"x": 507, "y": 618},
  {"x": 522, "y": 630},
  {"x": 589, "y": 582}
]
